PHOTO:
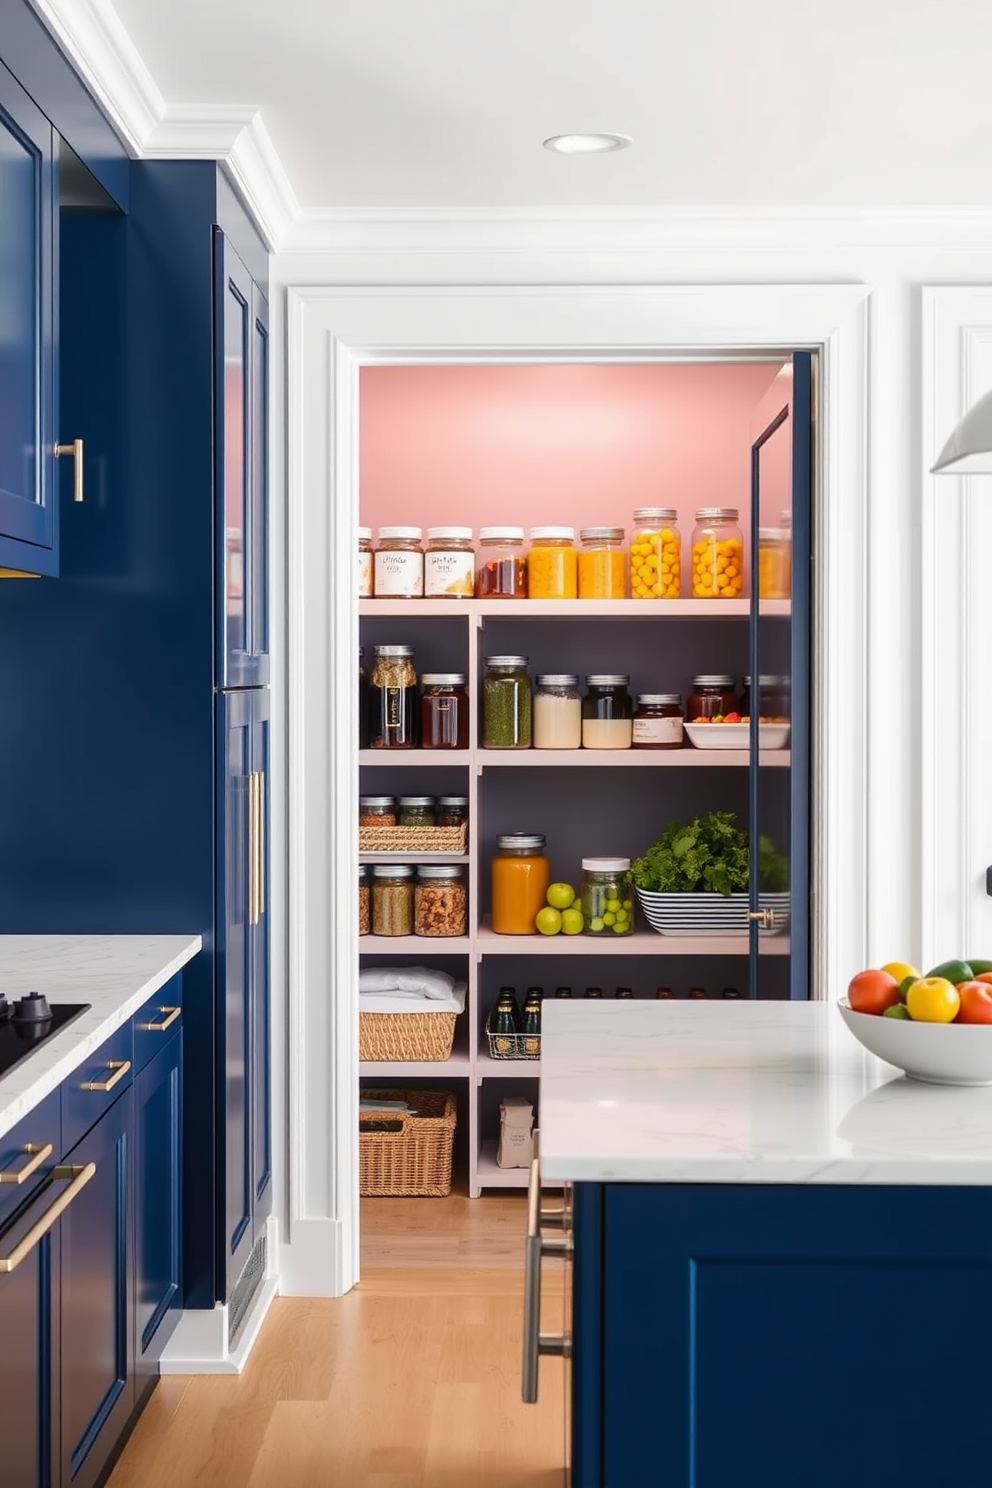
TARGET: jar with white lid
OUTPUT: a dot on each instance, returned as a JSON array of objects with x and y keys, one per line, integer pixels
[
  {"x": 557, "y": 711},
  {"x": 602, "y": 563},
  {"x": 655, "y": 554},
  {"x": 449, "y": 563},
  {"x": 365, "y": 562},
  {"x": 501, "y": 572},
  {"x": 399, "y": 563},
  {"x": 552, "y": 564},
  {"x": 607, "y": 896},
  {"x": 717, "y": 554}
]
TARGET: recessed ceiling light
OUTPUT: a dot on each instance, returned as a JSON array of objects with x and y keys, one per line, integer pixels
[{"x": 587, "y": 144}]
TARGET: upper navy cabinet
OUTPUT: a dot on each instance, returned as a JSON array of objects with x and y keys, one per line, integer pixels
[{"x": 28, "y": 411}]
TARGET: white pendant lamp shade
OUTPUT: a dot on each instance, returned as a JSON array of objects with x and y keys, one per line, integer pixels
[{"x": 969, "y": 449}]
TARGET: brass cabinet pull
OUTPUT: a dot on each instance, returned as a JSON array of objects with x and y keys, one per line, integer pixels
[
  {"x": 120, "y": 1068},
  {"x": 77, "y": 1177},
  {"x": 536, "y": 1247},
  {"x": 260, "y": 842},
  {"x": 253, "y": 848},
  {"x": 36, "y": 1156},
  {"x": 764, "y": 917},
  {"x": 173, "y": 1014},
  {"x": 75, "y": 449}
]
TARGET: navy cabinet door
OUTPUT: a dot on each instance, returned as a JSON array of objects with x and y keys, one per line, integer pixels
[
  {"x": 28, "y": 514},
  {"x": 28, "y": 1368},
  {"x": 157, "y": 1190},
  {"x": 97, "y": 1381},
  {"x": 240, "y": 453}
]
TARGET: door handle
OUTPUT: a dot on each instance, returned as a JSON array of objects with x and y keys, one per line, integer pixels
[
  {"x": 36, "y": 1156},
  {"x": 260, "y": 812},
  {"x": 120, "y": 1068},
  {"x": 171, "y": 1014},
  {"x": 253, "y": 909},
  {"x": 75, "y": 449},
  {"x": 77, "y": 1177},
  {"x": 536, "y": 1248}
]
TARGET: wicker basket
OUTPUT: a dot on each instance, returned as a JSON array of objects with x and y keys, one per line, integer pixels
[
  {"x": 422, "y": 1036},
  {"x": 413, "y": 839},
  {"x": 511, "y": 1045},
  {"x": 402, "y": 1154}
]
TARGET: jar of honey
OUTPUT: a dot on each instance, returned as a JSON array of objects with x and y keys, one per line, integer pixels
[
  {"x": 552, "y": 564},
  {"x": 713, "y": 696},
  {"x": 520, "y": 874},
  {"x": 602, "y": 564}
]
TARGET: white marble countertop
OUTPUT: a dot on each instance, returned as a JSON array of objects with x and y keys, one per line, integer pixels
[
  {"x": 113, "y": 973},
  {"x": 743, "y": 1092}
]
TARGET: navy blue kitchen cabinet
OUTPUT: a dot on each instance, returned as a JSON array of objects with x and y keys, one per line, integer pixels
[
  {"x": 781, "y": 1336},
  {"x": 156, "y": 1152}
]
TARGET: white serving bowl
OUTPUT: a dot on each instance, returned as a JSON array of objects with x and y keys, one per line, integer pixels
[
  {"x": 736, "y": 735},
  {"x": 936, "y": 1053}
]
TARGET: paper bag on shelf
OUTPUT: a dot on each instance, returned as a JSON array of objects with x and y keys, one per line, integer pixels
[{"x": 516, "y": 1141}]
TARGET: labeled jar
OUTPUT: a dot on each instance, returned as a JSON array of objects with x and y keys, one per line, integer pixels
[
  {"x": 451, "y": 811},
  {"x": 774, "y": 566},
  {"x": 365, "y": 562},
  {"x": 658, "y": 721},
  {"x": 506, "y": 703},
  {"x": 557, "y": 711},
  {"x": 399, "y": 563},
  {"x": 655, "y": 554},
  {"x": 393, "y": 700},
  {"x": 552, "y": 564},
  {"x": 606, "y": 896},
  {"x": 376, "y": 811},
  {"x": 501, "y": 572},
  {"x": 717, "y": 554},
  {"x": 363, "y": 701},
  {"x": 520, "y": 873},
  {"x": 440, "y": 901},
  {"x": 392, "y": 899},
  {"x": 364, "y": 901},
  {"x": 713, "y": 695},
  {"x": 607, "y": 712},
  {"x": 443, "y": 711},
  {"x": 602, "y": 563},
  {"x": 415, "y": 811},
  {"x": 449, "y": 563}
]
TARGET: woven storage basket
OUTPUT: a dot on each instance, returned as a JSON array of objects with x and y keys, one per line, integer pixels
[
  {"x": 413, "y": 839},
  {"x": 424, "y": 1036},
  {"x": 401, "y": 1154}
]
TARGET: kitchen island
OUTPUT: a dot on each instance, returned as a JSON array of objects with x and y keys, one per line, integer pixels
[{"x": 783, "y": 1251}]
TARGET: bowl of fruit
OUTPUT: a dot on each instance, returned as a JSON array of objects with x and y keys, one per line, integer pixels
[
  {"x": 733, "y": 731},
  {"x": 935, "y": 1027}
]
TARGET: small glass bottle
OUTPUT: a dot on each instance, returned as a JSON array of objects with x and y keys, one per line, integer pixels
[
  {"x": 657, "y": 721},
  {"x": 504, "y": 1024},
  {"x": 713, "y": 695},
  {"x": 449, "y": 563},
  {"x": 440, "y": 902},
  {"x": 624, "y": 993},
  {"x": 563, "y": 992},
  {"x": 506, "y": 703},
  {"x": 364, "y": 901},
  {"x": 717, "y": 554},
  {"x": 606, "y": 896},
  {"x": 501, "y": 572},
  {"x": 557, "y": 711},
  {"x": 730, "y": 993},
  {"x": 393, "y": 702},
  {"x": 443, "y": 711},
  {"x": 392, "y": 899},
  {"x": 520, "y": 873},
  {"x": 531, "y": 1024},
  {"x": 451, "y": 811},
  {"x": 773, "y": 563},
  {"x": 698, "y": 993},
  {"x": 595, "y": 992},
  {"x": 655, "y": 554},
  {"x": 664, "y": 993},
  {"x": 607, "y": 712},
  {"x": 365, "y": 562},
  {"x": 363, "y": 701},
  {"x": 399, "y": 563},
  {"x": 602, "y": 563},
  {"x": 376, "y": 811},
  {"x": 415, "y": 811},
  {"x": 552, "y": 564}
]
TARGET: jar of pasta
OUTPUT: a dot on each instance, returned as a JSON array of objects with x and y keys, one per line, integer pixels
[
  {"x": 449, "y": 563},
  {"x": 501, "y": 572},
  {"x": 364, "y": 901},
  {"x": 520, "y": 874},
  {"x": 552, "y": 564},
  {"x": 399, "y": 563},
  {"x": 717, "y": 554},
  {"x": 602, "y": 564},
  {"x": 655, "y": 554},
  {"x": 392, "y": 899},
  {"x": 439, "y": 906}
]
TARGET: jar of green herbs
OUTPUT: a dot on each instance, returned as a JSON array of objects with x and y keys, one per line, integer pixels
[{"x": 506, "y": 703}]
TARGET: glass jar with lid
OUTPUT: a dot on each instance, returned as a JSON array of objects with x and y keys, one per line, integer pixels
[
  {"x": 365, "y": 562},
  {"x": 774, "y": 698},
  {"x": 399, "y": 563},
  {"x": 607, "y": 712},
  {"x": 393, "y": 700},
  {"x": 415, "y": 811},
  {"x": 602, "y": 563},
  {"x": 443, "y": 711},
  {"x": 606, "y": 896},
  {"x": 392, "y": 899},
  {"x": 658, "y": 720},
  {"x": 774, "y": 579},
  {"x": 363, "y": 701},
  {"x": 552, "y": 564},
  {"x": 451, "y": 811},
  {"x": 440, "y": 902},
  {"x": 557, "y": 711},
  {"x": 717, "y": 554},
  {"x": 520, "y": 873},
  {"x": 501, "y": 572},
  {"x": 449, "y": 563},
  {"x": 377, "y": 811},
  {"x": 655, "y": 554},
  {"x": 506, "y": 703},
  {"x": 364, "y": 901},
  {"x": 713, "y": 695}
]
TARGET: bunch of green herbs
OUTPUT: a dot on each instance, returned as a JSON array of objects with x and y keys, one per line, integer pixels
[{"x": 707, "y": 855}]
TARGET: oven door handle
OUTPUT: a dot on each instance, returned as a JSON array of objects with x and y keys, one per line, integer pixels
[{"x": 537, "y": 1343}]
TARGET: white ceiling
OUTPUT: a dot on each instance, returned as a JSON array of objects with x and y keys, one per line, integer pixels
[{"x": 414, "y": 104}]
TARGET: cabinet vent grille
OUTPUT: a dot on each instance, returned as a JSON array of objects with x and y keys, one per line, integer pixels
[{"x": 243, "y": 1292}]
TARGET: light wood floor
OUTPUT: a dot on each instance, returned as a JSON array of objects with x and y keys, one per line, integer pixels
[{"x": 412, "y": 1380}]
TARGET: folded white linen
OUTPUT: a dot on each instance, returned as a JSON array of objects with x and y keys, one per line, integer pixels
[
  {"x": 424, "y": 979},
  {"x": 413, "y": 1002}
]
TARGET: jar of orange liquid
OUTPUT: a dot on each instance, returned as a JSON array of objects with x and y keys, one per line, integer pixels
[
  {"x": 602, "y": 564},
  {"x": 552, "y": 564},
  {"x": 520, "y": 874}
]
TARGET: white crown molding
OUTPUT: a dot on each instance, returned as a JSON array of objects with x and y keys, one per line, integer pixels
[{"x": 92, "y": 37}]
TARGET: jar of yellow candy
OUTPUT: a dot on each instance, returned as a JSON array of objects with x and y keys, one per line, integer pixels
[
  {"x": 717, "y": 554},
  {"x": 655, "y": 554},
  {"x": 552, "y": 564}
]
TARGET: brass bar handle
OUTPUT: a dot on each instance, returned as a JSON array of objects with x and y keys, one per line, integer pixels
[
  {"x": 36, "y": 1156},
  {"x": 167, "y": 1022},
  {"x": 120, "y": 1068},
  {"x": 78, "y": 1177},
  {"x": 75, "y": 449},
  {"x": 253, "y": 848},
  {"x": 532, "y": 1287},
  {"x": 261, "y": 843}
]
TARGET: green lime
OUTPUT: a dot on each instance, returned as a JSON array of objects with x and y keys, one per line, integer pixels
[
  {"x": 905, "y": 985},
  {"x": 897, "y": 1010}
]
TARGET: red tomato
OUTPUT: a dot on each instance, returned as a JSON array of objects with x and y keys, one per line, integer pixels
[
  {"x": 976, "y": 1000},
  {"x": 872, "y": 991}
]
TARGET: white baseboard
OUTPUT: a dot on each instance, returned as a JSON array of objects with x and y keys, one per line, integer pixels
[
  {"x": 316, "y": 1262},
  {"x": 199, "y": 1344}
]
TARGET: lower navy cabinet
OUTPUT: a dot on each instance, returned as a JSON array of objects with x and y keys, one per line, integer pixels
[
  {"x": 157, "y": 1168},
  {"x": 28, "y": 1349}
]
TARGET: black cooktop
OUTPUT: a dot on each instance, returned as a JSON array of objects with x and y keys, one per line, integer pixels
[{"x": 28, "y": 1021}]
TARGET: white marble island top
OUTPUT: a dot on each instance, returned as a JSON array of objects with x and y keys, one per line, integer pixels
[
  {"x": 115, "y": 974},
  {"x": 742, "y": 1092}
]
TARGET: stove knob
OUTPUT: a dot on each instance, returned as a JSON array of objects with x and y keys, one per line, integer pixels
[{"x": 32, "y": 1009}]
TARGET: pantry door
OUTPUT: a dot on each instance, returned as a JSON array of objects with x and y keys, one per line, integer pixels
[{"x": 780, "y": 662}]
